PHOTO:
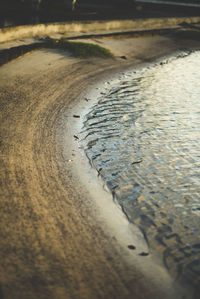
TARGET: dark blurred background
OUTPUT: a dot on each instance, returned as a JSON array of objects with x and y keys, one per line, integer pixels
[{"x": 21, "y": 12}]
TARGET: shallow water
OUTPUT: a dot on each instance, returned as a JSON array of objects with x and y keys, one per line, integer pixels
[{"x": 143, "y": 138}]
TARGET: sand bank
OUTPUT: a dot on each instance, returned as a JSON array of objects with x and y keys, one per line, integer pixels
[
  {"x": 73, "y": 28},
  {"x": 57, "y": 240}
]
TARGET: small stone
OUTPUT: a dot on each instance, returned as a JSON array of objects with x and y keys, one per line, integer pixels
[
  {"x": 144, "y": 253},
  {"x": 123, "y": 57},
  {"x": 132, "y": 247}
]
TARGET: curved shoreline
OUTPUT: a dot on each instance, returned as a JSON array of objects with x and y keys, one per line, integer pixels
[
  {"x": 96, "y": 139},
  {"x": 56, "y": 242}
]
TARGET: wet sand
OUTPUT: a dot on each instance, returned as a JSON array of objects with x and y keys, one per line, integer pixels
[{"x": 56, "y": 240}]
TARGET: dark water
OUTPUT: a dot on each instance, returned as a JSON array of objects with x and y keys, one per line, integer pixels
[
  {"x": 143, "y": 138},
  {"x": 15, "y": 13},
  {"x": 192, "y": 3}
]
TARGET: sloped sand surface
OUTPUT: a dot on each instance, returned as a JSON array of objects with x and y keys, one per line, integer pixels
[{"x": 55, "y": 241}]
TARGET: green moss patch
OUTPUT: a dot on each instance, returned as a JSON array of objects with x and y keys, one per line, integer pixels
[{"x": 79, "y": 49}]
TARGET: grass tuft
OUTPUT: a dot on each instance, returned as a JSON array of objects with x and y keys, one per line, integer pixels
[{"x": 79, "y": 49}]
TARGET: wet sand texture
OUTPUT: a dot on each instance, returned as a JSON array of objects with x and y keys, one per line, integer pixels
[{"x": 52, "y": 241}]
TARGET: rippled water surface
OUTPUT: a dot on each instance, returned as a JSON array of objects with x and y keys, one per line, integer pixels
[{"x": 143, "y": 137}]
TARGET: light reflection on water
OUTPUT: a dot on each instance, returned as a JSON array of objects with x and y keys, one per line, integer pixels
[{"x": 143, "y": 137}]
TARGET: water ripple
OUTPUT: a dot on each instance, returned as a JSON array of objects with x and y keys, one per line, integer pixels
[{"x": 143, "y": 138}]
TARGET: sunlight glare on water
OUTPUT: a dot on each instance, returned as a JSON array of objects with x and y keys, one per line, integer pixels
[{"x": 143, "y": 138}]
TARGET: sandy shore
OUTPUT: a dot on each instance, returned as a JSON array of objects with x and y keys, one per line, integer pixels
[{"x": 56, "y": 240}]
